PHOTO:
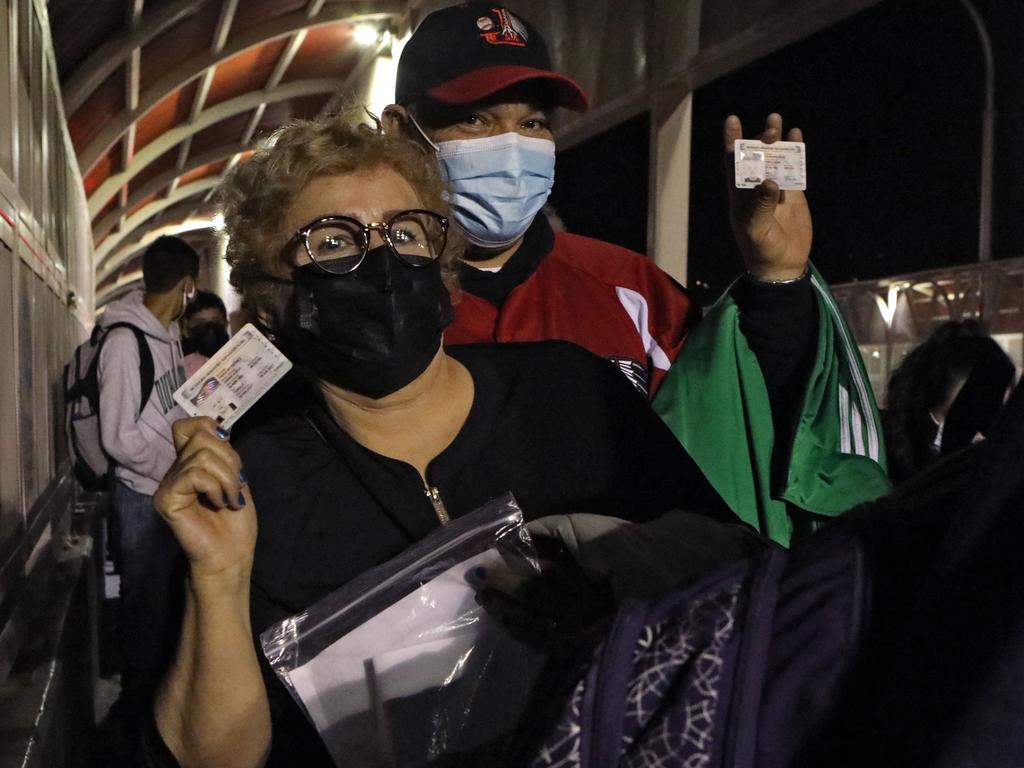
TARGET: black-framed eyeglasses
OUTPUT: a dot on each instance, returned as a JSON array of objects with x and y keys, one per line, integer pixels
[{"x": 338, "y": 244}]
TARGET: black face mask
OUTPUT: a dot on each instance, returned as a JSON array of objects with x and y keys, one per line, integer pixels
[
  {"x": 205, "y": 339},
  {"x": 372, "y": 331}
]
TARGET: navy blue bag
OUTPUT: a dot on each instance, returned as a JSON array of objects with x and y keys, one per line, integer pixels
[
  {"x": 734, "y": 671},
  {"x": 893, "y": 637}
]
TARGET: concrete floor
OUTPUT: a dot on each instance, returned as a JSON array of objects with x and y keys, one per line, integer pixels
[
  {"x": 108, "y": 687},
  {"x": 111, "y": 744}
]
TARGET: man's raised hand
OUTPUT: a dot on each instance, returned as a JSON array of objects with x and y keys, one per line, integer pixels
[{"x": 772, "y": 228}]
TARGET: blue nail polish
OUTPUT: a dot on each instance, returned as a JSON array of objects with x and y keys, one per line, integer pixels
[
  {"x": 241, "y": 477},
  {"x": 222, "y": 433},
  {"x": 241, "y": 499},
  {"x": 226, "y": 502}
]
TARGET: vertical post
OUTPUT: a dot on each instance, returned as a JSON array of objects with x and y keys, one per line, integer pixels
[
  {"x": 988, "y": 119},
  {"x": 673, "y": 39},
  {"x": 670, "y": 202}
]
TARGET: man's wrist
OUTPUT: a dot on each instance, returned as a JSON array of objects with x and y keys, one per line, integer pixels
[{"x": 777, "y": 277}]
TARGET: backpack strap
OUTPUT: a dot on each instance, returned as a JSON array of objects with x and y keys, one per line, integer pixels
[
  {"x": 147, "y": 372},
  {"x": 146, "y": 368}
]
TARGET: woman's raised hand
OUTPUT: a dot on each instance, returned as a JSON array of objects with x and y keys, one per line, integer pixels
[{"x": 203, "y": 497}]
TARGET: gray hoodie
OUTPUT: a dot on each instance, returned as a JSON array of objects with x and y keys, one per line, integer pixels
[{"x": 141, "y": 445}]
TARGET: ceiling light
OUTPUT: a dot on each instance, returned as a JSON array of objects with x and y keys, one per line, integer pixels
[{"x": 365, "y": 34}]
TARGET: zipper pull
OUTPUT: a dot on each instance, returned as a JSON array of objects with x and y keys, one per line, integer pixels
[{"x": 434, "y": 496}]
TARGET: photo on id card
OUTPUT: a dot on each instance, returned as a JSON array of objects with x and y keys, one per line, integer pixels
[{"x": 231, "y": 381}]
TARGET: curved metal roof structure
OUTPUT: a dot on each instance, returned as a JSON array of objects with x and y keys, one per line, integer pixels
[{"x": 165, "y": 96}]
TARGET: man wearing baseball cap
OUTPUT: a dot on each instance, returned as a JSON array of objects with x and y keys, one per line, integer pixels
[{"x": 475, "y": 83}]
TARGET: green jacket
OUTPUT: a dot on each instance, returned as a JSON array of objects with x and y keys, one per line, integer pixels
[{"x": 715, "y": 400}]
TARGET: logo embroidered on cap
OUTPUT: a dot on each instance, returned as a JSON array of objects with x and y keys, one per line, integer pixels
[{"x": 507, "y": 30}]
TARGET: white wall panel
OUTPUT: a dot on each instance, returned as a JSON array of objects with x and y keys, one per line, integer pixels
[
  {"x": 6, "y": 91},
  {"x": 25, "y": 366},
  {"x": 46, "y": 252},
  {"x": 11, "y": 513},
  {"x": 23, "y": 96}
]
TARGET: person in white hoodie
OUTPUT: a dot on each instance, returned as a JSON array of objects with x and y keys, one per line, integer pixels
[{"x": 135, "y": 429}]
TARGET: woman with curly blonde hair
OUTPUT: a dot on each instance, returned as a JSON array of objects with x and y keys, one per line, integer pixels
[
  {"x": 340, "y": 247},
  {"x": 259, "y": 192}
]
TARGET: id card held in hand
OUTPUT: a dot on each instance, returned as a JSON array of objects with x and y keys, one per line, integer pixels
[
  {"x": 231, "y": 381},
  {"x": 784, "y": 162}
]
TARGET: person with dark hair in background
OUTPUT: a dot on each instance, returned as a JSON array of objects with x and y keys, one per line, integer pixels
[
  {"x": 204, "y": 330},
  {"x": 944, "y": 396},
  {"x": 136, "y": 433}
]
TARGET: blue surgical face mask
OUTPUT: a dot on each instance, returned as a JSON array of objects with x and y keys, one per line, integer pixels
[{"x": 497, "y": 184}]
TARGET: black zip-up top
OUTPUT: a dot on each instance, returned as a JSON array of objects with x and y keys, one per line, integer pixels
[{"x": 560, "y": 428}]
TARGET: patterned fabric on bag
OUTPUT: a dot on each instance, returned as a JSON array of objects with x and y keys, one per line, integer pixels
[{"x": 708, "y": 676}]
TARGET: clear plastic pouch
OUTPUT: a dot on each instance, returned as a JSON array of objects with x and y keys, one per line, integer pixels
[{"x": 400, "y": 667}]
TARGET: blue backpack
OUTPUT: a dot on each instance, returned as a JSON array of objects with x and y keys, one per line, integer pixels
[
  {"x": 893, "y": 637},
  {"x": 734, "y": 671}
]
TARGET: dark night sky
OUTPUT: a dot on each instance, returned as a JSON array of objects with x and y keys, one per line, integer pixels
[{"x": 890, "y": 102}]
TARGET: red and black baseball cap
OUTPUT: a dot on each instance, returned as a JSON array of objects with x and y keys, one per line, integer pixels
[{"x": 466, "y": 53}]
